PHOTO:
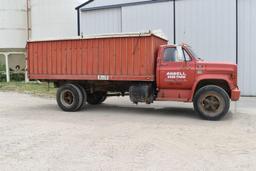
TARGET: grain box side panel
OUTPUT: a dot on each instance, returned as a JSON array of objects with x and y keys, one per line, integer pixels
[
  {"x": 124, "y": 56},
  {"x": 36, "y": 52},
  {"x": 80, "y": 57},
  {"x": 130, "y": 56},
  {"x": 121, "y": 58},
  {"x": 74, "y": 57},
  {"x": 69, "y": 58},
  {"x": 118, "y": 62},
  {"x": 44, "y": 58},
  {"x": 35, "y": 55},
  {"x": 64, "y": 57},
  {"x": 143, "y": 56},
  {"x": 95, "y": 56},
  {"x": 40, "y": 58},
  {"x": 54, "y": 58},
  {"x": 50, "y": 58},
  {"x": 58, "y": 58},
  {"x": 153, "y": 53},
  {"x": 149, "y": 56},
  {"x": 112, "y": 56},
  {"x": 136, "y": 60},
  {"x": 90, "y": 57},
  {"x": 85, "y": 57},
  {"x": 106, "y": 52},
  {"x": 101, "y": 57}
]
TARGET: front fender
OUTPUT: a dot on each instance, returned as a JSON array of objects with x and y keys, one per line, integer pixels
[{"x": 210, "y": 77}]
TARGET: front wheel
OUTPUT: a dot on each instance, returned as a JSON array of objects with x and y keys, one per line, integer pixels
[{"x": 211, "y": 102}]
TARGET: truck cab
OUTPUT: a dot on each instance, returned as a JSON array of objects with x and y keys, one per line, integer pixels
[{"x": 182, "y": 76}]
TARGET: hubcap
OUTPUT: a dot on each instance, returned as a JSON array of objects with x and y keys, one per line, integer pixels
[
  {"x": 67, "y": 98},
  {"x": 211, "y": 104}
]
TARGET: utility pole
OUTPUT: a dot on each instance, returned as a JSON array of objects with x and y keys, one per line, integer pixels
[{"x": 28, "y": 37}]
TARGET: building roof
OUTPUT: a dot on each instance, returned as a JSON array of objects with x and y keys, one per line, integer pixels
[{"x": 103, "y": 4}]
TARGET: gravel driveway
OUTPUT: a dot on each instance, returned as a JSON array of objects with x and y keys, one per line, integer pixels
[{"x": 36, "y": 135}]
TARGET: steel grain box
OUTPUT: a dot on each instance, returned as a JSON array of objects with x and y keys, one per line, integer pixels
[{"x": 130, "y": 57}]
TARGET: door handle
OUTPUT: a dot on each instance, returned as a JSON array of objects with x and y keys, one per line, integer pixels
[{"x": 187, "y": 68}]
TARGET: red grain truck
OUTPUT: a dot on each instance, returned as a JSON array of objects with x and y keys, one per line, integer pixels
[{"x": 142, "y": 66}]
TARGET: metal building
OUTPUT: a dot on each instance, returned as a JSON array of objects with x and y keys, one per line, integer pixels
[
  {"x": 126, "y": 16},
  {"x": 219, "y": 30},
  {"x": 246, "y": 47}
]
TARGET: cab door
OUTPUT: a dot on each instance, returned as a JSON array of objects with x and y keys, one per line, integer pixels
[{"x": 175, "y": 69}]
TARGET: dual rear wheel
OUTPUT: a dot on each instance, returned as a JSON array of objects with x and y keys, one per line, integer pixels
[{"x": 73, "y": 97}]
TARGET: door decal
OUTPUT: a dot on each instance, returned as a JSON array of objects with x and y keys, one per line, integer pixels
[{"x": 176, "y": 75}]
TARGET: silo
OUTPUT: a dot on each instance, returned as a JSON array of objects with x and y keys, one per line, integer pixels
[
  {"x": 13, "y": 32},
  {"x": 21, "y": 20}
]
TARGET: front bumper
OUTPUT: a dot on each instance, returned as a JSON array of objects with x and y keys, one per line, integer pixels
[{"x": 235, "y": 94}]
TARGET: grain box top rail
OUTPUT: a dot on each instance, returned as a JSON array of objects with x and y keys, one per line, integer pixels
[{"x": 111, "y": 35}]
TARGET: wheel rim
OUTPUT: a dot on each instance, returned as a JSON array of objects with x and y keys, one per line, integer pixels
[
  {"x": 67, "y": 98},
  {"x": 211, "y": 104}
]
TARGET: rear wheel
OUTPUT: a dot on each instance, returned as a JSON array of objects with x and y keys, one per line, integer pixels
[
  {"x": 96, "y": 98},
  {"x": 69, "y": 98},
  {"x": 211, "y": 102},
  {"x": 84, "y": 101}
]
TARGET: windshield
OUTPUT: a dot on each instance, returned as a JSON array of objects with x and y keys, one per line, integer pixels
[{"x": 193, "y": 53}]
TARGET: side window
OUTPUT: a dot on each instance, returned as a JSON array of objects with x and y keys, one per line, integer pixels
[
  {"x": 170, "y": 55},
  {"x": 186, "y": 55}
]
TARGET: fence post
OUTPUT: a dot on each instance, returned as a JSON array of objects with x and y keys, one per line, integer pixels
[
  {"x": 7, "y": 67},
  {"x": 26, "y": 69}
]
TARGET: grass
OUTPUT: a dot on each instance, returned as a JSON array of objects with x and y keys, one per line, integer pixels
[{"x": 34, "y": 88}]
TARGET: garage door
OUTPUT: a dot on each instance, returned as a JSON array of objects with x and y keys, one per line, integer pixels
[
  {"x": 247, "y": 50},
  {"x": 101, "y": 21}
]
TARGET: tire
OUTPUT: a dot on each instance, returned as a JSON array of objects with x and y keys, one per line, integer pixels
[
  {"x": 211, "y": 102},
  {"x": 69, "y": 98},
  {"x": 84, "y": 100},
  {"x": 96, "y": 98}
]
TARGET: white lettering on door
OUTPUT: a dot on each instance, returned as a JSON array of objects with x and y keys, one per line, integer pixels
[{"x": 176, "y": 75}]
